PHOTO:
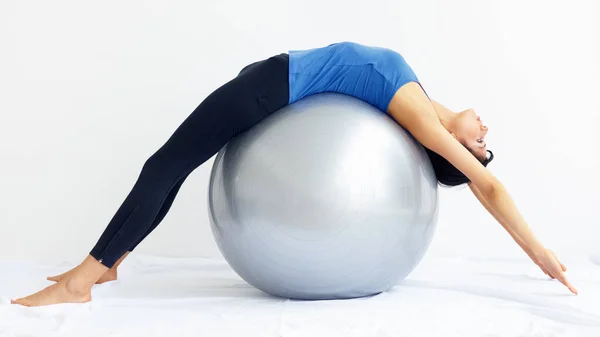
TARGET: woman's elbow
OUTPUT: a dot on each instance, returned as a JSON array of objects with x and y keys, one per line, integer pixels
[{"x": 490, "y": 188}]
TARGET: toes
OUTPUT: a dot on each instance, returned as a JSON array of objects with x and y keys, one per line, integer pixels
[{"x": 20, "y": 301}]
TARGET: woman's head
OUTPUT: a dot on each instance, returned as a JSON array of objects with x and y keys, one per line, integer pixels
[{"x": 468, "y": 129}]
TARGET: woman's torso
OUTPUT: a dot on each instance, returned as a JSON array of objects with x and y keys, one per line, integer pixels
[{"x": 372, "y": 74}]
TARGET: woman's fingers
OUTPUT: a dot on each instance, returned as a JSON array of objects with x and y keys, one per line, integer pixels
[
  {"x": 544, "y": 269},
  {"x": 562, "y": 278},
  {"x": 550, "y": 264},
  {"x": 562, "y": 266}
]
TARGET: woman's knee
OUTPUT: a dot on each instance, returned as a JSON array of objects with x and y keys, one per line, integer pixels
[{"x": 158, "y": 164}]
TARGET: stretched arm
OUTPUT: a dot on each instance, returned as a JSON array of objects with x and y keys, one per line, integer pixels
[
  {"x": 506, "y": 226},
  {"x": 413, "y": 110}
]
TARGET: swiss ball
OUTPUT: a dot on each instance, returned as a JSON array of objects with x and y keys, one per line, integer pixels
[{"x": 327, "y": 198}]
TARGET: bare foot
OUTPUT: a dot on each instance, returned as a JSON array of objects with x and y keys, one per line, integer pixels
[
  {"x": 74, "y": 287},
  {"x": 57, "y": 278},
  {"x": 110, "y": 275},
  {"x": 65, "y": 291}
]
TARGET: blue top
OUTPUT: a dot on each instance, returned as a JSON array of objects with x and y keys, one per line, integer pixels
[{"x": 372, "y": 74}]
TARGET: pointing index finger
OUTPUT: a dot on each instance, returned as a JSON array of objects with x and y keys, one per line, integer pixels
[{"x": 563, "y": 279}]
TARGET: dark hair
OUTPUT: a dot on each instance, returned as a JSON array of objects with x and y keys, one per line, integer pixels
[{"x": 449, "y": 175}]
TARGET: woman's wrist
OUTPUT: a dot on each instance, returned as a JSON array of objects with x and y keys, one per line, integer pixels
[{"x": 536, "y": 249}]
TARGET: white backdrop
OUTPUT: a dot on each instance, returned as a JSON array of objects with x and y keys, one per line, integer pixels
[{"x": 88, "y": 90}]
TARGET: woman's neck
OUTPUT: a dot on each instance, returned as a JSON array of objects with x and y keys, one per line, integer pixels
[{"x": 445, "y": 115}]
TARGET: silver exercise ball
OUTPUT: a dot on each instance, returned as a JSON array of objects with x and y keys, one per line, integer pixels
[{"x": 328, "y": 198}]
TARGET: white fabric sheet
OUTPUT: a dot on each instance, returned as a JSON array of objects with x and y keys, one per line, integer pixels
[{"x": 460, "y": 297}]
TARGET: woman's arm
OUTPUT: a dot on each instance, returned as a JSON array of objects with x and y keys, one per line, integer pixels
[
  {"x": 440, "y": 109},
  {"x": 505, "y": 225},
  {"x": 414, "y": 111},
  {"x": 499, "y": 218}
]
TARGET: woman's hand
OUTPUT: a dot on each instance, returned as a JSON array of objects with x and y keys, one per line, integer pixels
[
  {"x": 413, "y": 110},
  {"x": 550, "y": 265},
  {"x": 536, "y": 261},
  {"x": 546, "y": 260}
]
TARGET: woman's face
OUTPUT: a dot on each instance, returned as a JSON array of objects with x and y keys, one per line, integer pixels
[{"x": 470, "y": 131}]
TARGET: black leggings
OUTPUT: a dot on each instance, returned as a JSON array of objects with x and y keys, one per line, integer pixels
[{"x": 260, "y": 89}]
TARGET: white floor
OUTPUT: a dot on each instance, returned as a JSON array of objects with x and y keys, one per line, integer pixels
[{"x": 197, "y": 297}]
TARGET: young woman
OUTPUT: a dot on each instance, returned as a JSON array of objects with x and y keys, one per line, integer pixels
[{"x": 455, "y": 143}]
